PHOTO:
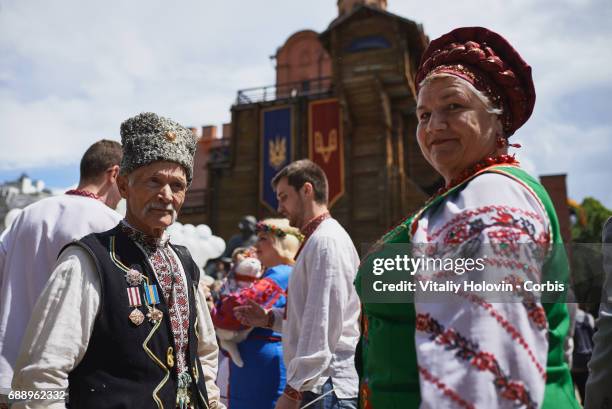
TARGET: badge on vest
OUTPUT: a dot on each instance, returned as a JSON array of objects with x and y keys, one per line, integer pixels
[
  {"x": 136, "y": 316},
  {"x": 152, "y": 297},
  {"x": 133, "y": 277}
]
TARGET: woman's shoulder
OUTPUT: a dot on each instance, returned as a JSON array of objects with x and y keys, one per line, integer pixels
[
  {"x": 500, "y": 189},
  {"x": 279, "y": 269},
  {"x": 280, "y": 274}
]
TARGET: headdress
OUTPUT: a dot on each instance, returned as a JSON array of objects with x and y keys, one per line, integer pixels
[
  {"x": 491, "y": 64},
  {"x": 148, "y": 138},
  {"x": 277, "y": 231}
]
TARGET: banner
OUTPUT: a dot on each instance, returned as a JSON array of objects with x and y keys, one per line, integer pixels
[
  {"x": 276, "y": 150},
  {"x": 326, "y": 144}
]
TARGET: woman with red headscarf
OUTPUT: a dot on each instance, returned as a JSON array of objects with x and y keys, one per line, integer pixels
[{"x": 465, "y": 348}]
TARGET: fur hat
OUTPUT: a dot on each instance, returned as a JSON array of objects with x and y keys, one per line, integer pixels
[{"x": 148, "y": 138}]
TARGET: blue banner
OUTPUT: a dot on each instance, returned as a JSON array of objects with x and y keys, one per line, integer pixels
[{"x": 276, "y": 150}]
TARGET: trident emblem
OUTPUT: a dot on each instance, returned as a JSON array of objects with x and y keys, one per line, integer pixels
[
  {"x": 326, "y": 150},
  {"x": 277, "y": 150}
]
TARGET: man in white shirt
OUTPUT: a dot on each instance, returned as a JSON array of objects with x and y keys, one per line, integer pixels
[
  {"x": 320, "y": 324},
  {"x": 29, "y": 248},
  {"x": 122, "y": 322}
]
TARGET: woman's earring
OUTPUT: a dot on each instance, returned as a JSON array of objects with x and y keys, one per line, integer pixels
[{"x": 502, "y": 142}]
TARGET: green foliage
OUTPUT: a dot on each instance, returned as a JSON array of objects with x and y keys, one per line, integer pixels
[
  {"x": 596, "y": 215},
  {"x": 586, "y": 259}
]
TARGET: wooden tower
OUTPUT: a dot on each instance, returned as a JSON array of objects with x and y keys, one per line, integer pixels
[{"x": 372, "y": 56}]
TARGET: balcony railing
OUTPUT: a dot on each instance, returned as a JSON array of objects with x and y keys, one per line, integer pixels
[{"x": 310, "y": 87}]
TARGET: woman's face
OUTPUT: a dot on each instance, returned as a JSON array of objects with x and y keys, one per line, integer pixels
[
  {"x": 454, "y": 128},
  {"x": 266, "y": 253}
]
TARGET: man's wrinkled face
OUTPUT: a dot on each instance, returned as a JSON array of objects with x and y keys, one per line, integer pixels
[
  {"x": 154, "y": 193},
  {"x": 290, "y": 203}
]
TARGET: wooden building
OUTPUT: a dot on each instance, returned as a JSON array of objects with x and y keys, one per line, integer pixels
[{"x": 365, "y": 60}]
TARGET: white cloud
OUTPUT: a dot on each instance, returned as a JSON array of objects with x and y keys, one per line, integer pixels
[{"x": 71, "y": 71}]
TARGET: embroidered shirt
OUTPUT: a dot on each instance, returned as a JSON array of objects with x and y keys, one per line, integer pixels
[
  {"x": 321, "y": 331},
  {"x": 165, "y": 265},
  {"x": 471, "y": 351},
  {"x": 71, "y": 301}
]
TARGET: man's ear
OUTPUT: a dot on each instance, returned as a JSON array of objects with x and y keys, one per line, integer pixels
[
  {"x": 122, "y": 185},
  {"x": 308, "y": 190},
  {"x": 112, "y": 173}
]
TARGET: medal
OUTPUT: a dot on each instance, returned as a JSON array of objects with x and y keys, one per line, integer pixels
[
  {"x": 155, "y": 315},
  {"x": 152, "y": 298},
  {"x": 134, "y": 297},
  {"x": 136, "y": 316},
  {"x": 151, "y": 294},
  {"x": 133, "y": 277}
]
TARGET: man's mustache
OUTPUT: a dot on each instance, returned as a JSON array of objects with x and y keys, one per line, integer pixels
[{"x": 159, "y": 206}]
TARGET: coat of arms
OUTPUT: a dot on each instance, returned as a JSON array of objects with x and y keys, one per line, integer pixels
[
  {"x": 277, "y": 150},
  {"x": 326, "y": 150}
]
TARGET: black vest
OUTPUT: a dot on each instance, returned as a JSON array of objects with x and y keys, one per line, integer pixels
[{"x": 129, "y": 366}]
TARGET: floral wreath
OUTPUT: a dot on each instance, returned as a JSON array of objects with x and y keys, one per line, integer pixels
[{"x": 276, "y": 231}]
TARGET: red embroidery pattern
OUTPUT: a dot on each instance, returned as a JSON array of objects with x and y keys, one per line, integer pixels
[
  {"x": 310, "y": 228},
  {"x": 454, "y": 396},
  {"x": 365, "y": 395},
  {"x": 509, "y": 228},
  {"x": 265, "y": 292},
  {"x": 512, "y": 264},
  {"x": 175, "y": 294},
  {"x": 467, "y": 350},
  {"x": 510, "y": 329},
  {"x": 366, "y": 327},
  {"x": 502, "y": 211},
  {"x": 536, "y": 313},
  {"x": 84, "y": 193},
  {"x": 170, "y": 279}
]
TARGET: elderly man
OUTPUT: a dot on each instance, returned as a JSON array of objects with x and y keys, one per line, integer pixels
[
  {"x": 121, "y": 322},
  {"x": 28, "y": 250}
]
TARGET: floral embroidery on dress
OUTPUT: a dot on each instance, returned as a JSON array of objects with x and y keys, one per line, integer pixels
[{"x": 469, "y": 351}]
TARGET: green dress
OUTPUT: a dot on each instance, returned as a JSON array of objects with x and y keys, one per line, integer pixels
[{"x": 386, "y": 355}]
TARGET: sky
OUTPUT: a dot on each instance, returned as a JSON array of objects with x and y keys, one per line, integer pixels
[{"x": 71, "y": 71}]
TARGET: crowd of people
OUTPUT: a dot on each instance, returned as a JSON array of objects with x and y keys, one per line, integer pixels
[{"x": 112, "y": 312}]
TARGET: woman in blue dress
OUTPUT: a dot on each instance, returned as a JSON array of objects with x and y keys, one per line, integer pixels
[{"x": 261, "y": 379}]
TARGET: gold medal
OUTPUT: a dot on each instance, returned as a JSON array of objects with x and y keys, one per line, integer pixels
[
  {"x": 155, "y": 315},
  {"x": 136, "y": 316}
]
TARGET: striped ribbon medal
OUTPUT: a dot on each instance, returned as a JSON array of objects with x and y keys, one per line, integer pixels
[
  {"x": 136, "y": 316},
  {"x": 152, "y": 298}
]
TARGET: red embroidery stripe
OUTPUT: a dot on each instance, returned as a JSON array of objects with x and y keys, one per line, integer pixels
[
  {"x": 510, "y": 329},
  {"x": 448, "y": 392},
  {"x": 467, "y": 214},
  {"x": 468, "y": 350}
]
